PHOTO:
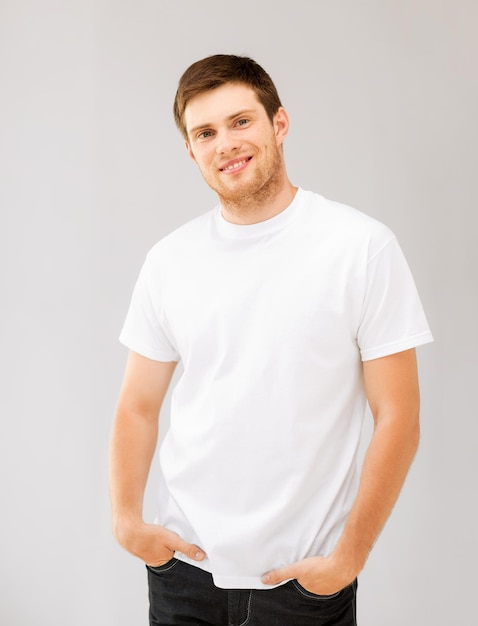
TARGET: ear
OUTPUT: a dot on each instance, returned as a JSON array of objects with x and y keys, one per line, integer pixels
[
  {"x": 281, "y": 125},
  {"x": 190, "y": 151}
]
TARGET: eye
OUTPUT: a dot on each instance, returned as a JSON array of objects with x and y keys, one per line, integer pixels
[
  {"x": 242, "y": 122},
  {"x": 205, "y": 134}
]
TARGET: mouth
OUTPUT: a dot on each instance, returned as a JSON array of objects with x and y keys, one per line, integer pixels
[{"x": 234, "y": 166}]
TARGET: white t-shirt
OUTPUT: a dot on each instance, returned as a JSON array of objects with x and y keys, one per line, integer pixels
[{"x": 271, "y": 322}]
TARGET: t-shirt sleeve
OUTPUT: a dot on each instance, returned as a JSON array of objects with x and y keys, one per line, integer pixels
[
  {"x": 392, "y": 318},
  {"x": 144, "y": 330}
]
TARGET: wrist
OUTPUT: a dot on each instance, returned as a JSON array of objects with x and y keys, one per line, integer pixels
[
  {"x": 127, "y": 529},
  {"x": 348, "y": 562}
]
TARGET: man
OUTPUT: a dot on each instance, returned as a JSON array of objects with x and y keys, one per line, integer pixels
[{"x": 289, "y": 312}]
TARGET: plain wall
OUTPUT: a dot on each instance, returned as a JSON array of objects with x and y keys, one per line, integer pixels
[{"x": 382, "y": 98}]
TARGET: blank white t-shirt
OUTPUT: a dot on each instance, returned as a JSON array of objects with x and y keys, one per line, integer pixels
[{"x": 271, "y": 322}]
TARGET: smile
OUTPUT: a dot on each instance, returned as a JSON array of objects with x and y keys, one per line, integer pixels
[{"x": 235, "y": 165}]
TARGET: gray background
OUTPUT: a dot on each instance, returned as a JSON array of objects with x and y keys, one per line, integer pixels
[{"x": 382, "y": 98}]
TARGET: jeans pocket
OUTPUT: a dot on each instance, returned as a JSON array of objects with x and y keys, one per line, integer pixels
[
  {"x": 164, "y": 567},
  {"x": 315, "y": 596}
]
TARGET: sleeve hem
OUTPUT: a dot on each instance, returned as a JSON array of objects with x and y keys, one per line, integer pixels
[
  {"x": 150, "y": 353},
  {"x": 396, "y": 346}
]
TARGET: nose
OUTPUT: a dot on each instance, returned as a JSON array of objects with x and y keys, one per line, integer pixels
[{"x": 227, "y": 142}]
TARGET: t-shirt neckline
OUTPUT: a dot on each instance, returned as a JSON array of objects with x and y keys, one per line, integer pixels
[{"x": 246, "y": 231}]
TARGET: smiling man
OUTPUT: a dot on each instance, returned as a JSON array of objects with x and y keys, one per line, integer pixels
[{"x": 289, "y": 312}]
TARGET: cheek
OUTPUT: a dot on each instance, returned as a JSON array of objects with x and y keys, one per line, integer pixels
[
  {"x": 202, "y": 159},
  {"x": 206, "y": 155}
]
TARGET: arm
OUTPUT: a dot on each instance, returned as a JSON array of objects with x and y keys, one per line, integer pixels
[
  {"x": 133, "y": 442},
  {"x": 391, "y": 385}
]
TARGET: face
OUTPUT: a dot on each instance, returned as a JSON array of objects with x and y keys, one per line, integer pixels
[{"x": 235, "y": 144}]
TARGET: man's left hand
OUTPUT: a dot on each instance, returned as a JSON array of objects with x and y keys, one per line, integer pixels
[{"x": 320, "y": 575}]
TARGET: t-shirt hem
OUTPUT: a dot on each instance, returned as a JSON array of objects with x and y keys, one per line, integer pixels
[
  {"x": 396, "y": 346},
  {"x": 228, "y": 582}
]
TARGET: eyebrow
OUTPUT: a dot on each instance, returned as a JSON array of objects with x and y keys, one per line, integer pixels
[{"x": 228, "y": 118}]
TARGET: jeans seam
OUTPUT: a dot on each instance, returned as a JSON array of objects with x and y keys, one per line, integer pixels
[
  {"x": 314, "y": 596},
  {"x": 248, "y": 609},
  {"x": 165, "y": 569}
]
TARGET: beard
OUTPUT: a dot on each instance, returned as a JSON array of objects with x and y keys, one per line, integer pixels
[{"x": 242, "y": 197}]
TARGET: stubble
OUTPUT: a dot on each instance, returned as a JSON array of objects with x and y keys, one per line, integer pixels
[{"x": 246, "y": 199}]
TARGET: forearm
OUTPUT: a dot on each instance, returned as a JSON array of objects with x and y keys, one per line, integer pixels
[
  {"x": 133, "y": 443},
  {"x": 387, "y": 461},
  {"x": 134, "y": 437}
]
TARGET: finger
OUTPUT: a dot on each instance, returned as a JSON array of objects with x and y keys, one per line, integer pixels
[
  {"x": 159, "y": 562},
  {"x": 280, "y": 575},
  {"x": 188, "y": 549}
]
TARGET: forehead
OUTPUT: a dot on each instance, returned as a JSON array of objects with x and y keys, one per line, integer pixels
[{"x": 217, "y": 105}]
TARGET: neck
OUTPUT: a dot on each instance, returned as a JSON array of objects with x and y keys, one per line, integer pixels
[{"x": 258, "y": 207}]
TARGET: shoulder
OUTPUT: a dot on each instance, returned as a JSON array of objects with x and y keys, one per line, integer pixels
[
  {"x": 346, "y": 223},
  {"x": 182, "y": 239}
]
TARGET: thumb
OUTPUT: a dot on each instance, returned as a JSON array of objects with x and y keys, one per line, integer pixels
[
  {"x": 188, "y": 549},
  {"x": 279, "y": 575}
]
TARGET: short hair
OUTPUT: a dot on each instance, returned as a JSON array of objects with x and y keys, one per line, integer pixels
[{"x": 217, "y": 70}]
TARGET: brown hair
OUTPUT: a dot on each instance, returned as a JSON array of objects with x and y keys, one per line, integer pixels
[{"x": 217, "y": 70}]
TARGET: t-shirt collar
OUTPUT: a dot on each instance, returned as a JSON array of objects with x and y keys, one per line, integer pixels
[{"x": 244, "y": 231}]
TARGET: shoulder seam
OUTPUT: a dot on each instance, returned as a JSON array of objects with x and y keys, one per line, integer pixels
[{"x": 387, "y": 243}]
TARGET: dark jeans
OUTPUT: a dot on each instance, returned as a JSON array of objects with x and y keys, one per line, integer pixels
[{"x": 182, "y": 594}]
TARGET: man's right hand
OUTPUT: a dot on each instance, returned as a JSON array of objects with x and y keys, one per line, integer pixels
[
  {"x": 133, "y": 442},
  {"x": 156, "y": 545}
]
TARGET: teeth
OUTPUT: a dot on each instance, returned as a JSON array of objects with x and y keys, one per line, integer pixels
[{"x": 235, "y": 166}]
